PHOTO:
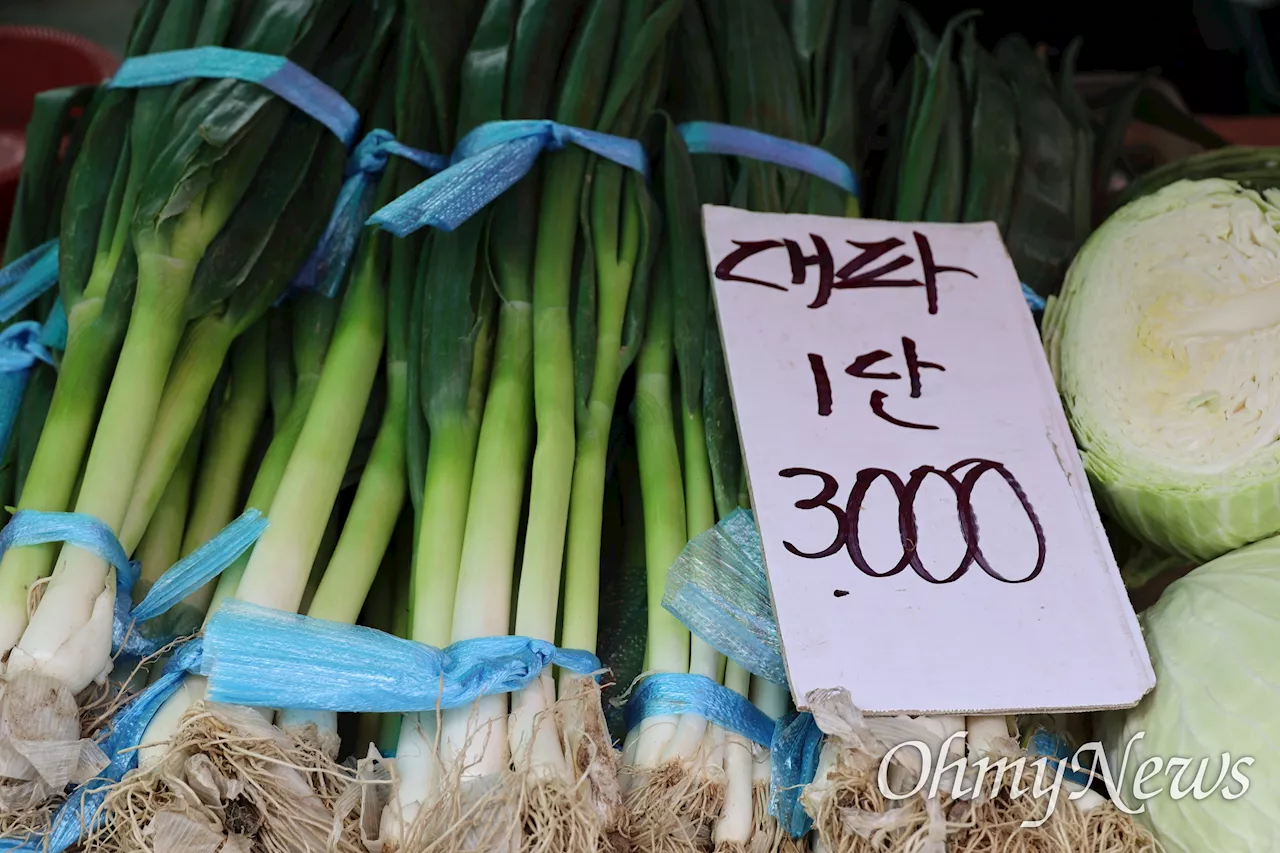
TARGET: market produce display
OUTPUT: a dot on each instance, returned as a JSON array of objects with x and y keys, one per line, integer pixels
[{"x": 386, "y": 326}]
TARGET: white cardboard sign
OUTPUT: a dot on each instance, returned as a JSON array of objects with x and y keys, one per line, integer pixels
[{"x": 931, "y": 542}]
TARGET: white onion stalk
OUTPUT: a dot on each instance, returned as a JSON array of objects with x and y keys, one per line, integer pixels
[
  {"x": 366, "y": 534},
  {"x": 454, "y": 407},
  {"x": 736, "y": 823}
]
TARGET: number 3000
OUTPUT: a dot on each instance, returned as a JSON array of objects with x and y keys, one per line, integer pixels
[{"x": 961, "y": 483}]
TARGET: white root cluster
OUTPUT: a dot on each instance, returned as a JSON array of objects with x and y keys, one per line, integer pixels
[
  {"x": 853, "y": 815},
  {"x": 562, "y": 795},
  {"x": 230, "y": 782}
]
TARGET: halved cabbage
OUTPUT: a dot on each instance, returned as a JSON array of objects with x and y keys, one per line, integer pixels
[
  {"x": 1213, "y": 637},
  {"x": 1165, "y": 344}
]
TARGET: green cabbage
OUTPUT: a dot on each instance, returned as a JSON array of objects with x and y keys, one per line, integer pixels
[
  {"x": 1213, "y": 637},
  {"x": 1165, "y": 344}
]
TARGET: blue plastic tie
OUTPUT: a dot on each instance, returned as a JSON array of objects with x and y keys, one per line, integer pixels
[
  {"x": 54, "y": 333},
  {"x": 265, "y": 658},
  {"x": 486, "y": 163},
  {"x": 709, "y": 137},
  {"x": 794, "y": 754},
  {"x": 718, "y": 589},
  {"x": 33, "y": 527},
  {"x": 274, "y": 73},
  {"x": 201, "y": 565},
  {"x": 27, "y": 278},
  {"x": 325, "y": 269},
  {"x": 1034, "y": 300},
  {"x": 20, "y": 349},
  {"x": 1051, "y": 745},
  {"x": 669, "y": 693}
]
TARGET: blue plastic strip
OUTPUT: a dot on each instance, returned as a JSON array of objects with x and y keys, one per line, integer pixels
[
  {"x": 1034, "y": 300},
  {"x": 82, "y": 811},
  {"x": 670, "y": 693},
  {"x": 794, "y": 754},
  {"x": 325, "y": 269},
  {"x": 718, "y": 589},
  {"x": 486, "y": 163},
  {"x": 20, "y": 349},
  {"x": 274, "y": 73},
  {"x": 1047, "y": 744},
  {"x": 32, "y": 527},
  {"x": 27, "y": 278},
  {"x": 54, "y": 333},
  {"x": 266, "y": 658},
  {"x": 708, "y": 137},
  {"x": 201, "y": 565}
]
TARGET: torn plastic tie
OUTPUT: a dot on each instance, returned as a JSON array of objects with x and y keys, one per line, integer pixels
[
  {"x": 20, "y": 349},
  {"x": 34, "y": 527},
  {"x": 486, "y": 163},
  {"x": 325, "y": 268}
]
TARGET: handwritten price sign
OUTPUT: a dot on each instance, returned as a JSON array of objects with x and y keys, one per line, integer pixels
[{"x": 931, "y": 542}]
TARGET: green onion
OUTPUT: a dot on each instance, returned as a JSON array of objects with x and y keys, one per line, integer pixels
[{"x": 206, "y": 159}]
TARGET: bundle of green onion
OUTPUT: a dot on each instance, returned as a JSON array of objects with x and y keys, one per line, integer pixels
[
  {"x": 977, "y": 136},
  {"x": 188, "y": 210},
  {"x": 514, "y": 427}
]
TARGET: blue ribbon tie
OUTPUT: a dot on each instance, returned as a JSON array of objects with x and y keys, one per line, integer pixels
[
  {"x": 669, "y": 693},
  {"x": 718, "y": 589},
  {"x": 486, "y": 163},
  {"x": 1034, "y": 300},
  {"x": 1050, "y": 745},
  {"x": 54, "y": 333},
  {"x": 27, "y": 278},
  {"x": 20, "y": 349},
  {"x": 793, "y": 754},
  {"x": 265, "y": 658},
  {"x": 33, "y": 527},
  {"x": 325, "y": 268},
  {"x": 709, "y": 137},
  {"x": 274, "y": 73}
]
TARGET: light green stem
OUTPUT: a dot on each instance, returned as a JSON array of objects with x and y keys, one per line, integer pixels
[
  {"x": 771, "y": 698},
  {"x": 270, "y": 473},
  {"x": 586, "y": 519},
  {"x": 199, "y": 359},
  {"x": 309, "y": 355},
  {"x": 281, "y": 561},
  {"x": 737, "y": 679},
  {"x": 230, "y": 442},
  {"x": 450, "y": 464},
  {"x": 162, "y": 543},
  {"x": 482, "y": 600},
  {"x": 700, "y": 512},
  {"x": 699, "y": 496},
  {"x": 366, "y": 533},
  {"x": 665, "y": 530},
  {"x": 55, "y": 467},
  {"x": 129, "y": 412},
  {"x": 553, "y": 388}
]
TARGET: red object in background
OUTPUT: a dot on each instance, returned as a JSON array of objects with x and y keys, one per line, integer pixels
[
  {"x": 1245, "y": 130},
  {"x": 33, "y": 60}
]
